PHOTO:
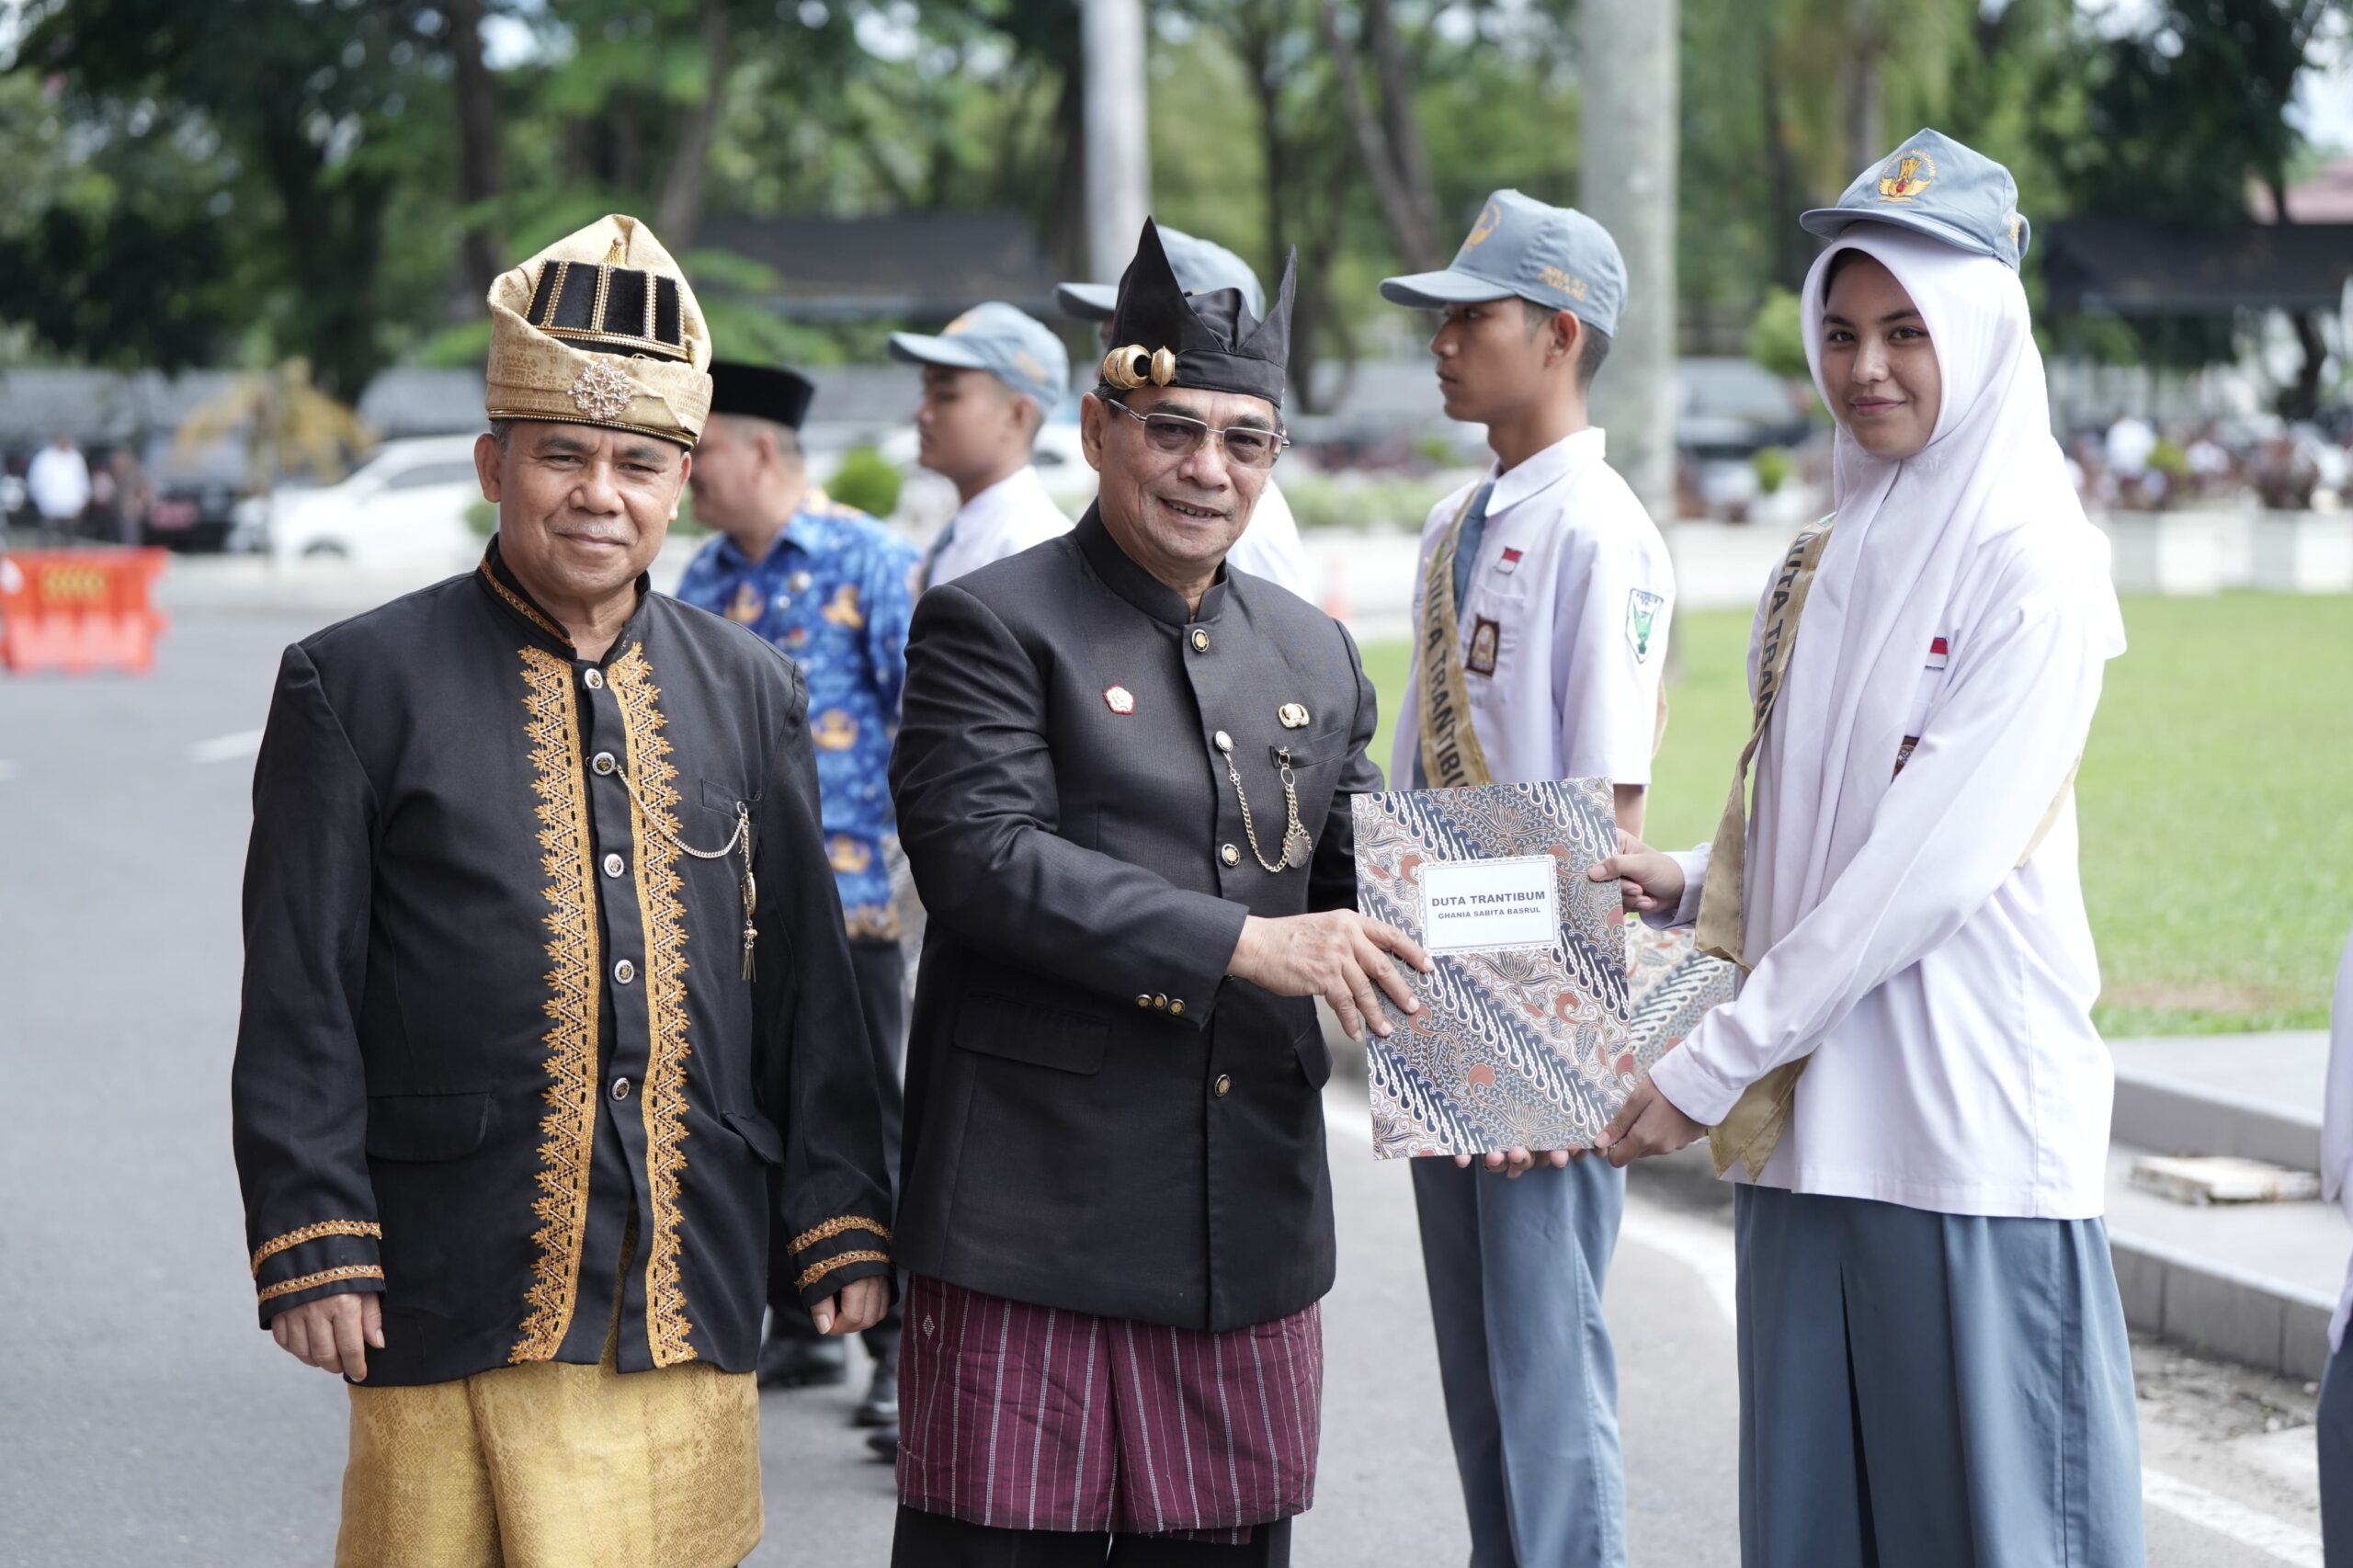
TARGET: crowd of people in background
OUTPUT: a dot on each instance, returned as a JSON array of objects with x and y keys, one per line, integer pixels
[
  {"x": 2135, "y": 464},
  {"x": 61, "y": 494}
]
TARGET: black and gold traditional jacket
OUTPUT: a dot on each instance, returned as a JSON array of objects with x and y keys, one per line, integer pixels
[{"x": 497, "y": 1016}]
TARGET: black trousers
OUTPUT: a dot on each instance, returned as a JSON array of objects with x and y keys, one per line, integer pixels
[
  {"x": 880, "y": 970},
  {"x": 934, "y": 1540}
]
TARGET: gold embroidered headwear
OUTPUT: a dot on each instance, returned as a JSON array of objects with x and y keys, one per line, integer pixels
[{"x": 600, "y": 328}]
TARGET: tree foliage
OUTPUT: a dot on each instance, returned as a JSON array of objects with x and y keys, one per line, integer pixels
[{"x": 255, "y": 179}]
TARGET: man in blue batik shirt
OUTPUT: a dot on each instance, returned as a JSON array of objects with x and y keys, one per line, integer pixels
[{"x": 833, "y": 589}]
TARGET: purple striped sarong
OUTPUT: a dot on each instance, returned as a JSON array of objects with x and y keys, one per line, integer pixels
[{"x": 1026, "y": 1418}]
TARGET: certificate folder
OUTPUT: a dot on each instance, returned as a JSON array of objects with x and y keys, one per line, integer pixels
[{"x": 1529, "y": 1033}]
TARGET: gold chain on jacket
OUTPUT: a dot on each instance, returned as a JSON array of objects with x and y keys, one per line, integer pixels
[
  {"x": 1295, "y": 836},
  {"x": 741, "y": 838}
]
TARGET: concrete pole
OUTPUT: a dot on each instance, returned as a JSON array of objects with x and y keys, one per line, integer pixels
[
  {"x": 1626, "y": 181},
  {"x": 1119, "y": 152}
]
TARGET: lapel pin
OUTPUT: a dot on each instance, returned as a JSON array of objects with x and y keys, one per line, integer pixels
[
  {"x": 1119, "y": 699},
  {"x": 1293, "y": 716}
]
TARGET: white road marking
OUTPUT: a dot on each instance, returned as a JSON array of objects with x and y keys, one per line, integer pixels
[
  {"x": 1705, "y": 1247},
  {"x": 226, "y": 748},
  {"x": 2249, "y": 1527}
]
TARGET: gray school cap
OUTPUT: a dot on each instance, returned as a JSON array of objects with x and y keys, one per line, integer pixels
[
  {"x": 1011, "y": 345},
  {"x": 1201, "y": 267},
  {"x": 1521, "y": 248},
  {"x": 1933, "y": 186}
]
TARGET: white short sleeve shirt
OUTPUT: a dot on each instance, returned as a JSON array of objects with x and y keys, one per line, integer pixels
[
  {"x": 1005, "y": 520},
  {"x": 1564, "y": 623},
  {"x": 1269, "y": 547}
]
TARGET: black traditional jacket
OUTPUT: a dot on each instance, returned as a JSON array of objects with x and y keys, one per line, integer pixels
[
  {"x": 1096, "y": 1116},
  {"x": 496, "y": 1019}
]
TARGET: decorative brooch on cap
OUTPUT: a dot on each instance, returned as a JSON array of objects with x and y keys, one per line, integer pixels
[{"x": 1129, "y": 367}]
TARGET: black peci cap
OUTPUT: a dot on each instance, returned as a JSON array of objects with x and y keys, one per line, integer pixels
[{"x": 757, "y": 391}]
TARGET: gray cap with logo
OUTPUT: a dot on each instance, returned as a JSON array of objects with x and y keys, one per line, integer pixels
[
  {"x": 1011, "y": 345},
  {"x": 1521, "y": 248},
  {"x": 1933, "y": 186},
  {"x": 1202, "y": 267}
]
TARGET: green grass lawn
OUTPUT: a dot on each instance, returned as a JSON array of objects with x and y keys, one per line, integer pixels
[{"x": 2216, "y": 800}]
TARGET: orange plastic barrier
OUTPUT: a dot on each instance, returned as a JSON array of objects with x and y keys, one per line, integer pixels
[{"x": 79, "y": 609}]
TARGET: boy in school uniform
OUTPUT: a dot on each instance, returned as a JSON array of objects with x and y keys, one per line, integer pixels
[{"x": 1542, "y": 604}]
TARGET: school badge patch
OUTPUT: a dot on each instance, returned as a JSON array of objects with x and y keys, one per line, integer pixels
[
  {"x": 1641, "y": 620},
  {"x": 1486, "y": 636}
]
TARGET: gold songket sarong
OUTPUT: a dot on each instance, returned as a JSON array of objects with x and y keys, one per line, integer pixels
[{"x": 555, "y": 1465}]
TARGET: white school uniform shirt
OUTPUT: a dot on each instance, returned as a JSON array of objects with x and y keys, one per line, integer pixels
[
  {"x": 1572, "y": 589},
  {"x": 2336, "y": 1128},
  {"x": 1954, "y": 1067},
  {"x": 1005, "y": 520},
  {"x": 1269, "y": 547}
]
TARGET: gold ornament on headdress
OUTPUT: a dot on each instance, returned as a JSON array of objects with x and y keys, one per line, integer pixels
[
  {"x": 1125, "y": 368},
  {"x": 1129, "y": 367}
]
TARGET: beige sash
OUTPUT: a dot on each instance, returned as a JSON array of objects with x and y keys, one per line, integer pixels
[
  {"x": 1753, "y": 1128},
  {"x": 1755, "y": 1121},
  {"x": 1453, "y": 758}
]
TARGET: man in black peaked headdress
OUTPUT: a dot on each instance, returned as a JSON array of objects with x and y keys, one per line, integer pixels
[{"x": 1124, "y": 779}]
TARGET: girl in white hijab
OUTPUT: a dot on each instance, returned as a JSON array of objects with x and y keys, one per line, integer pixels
[{"x": 1933, "y": 1360}]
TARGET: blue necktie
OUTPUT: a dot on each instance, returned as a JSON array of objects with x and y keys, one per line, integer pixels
[
  {"x": 1474, "y": 528},
  {"x": 931, "y": 557},
  {"x": 1466, "y": 549}
]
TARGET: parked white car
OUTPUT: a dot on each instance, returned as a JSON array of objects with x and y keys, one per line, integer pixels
[{"x": 406, "y": 505}]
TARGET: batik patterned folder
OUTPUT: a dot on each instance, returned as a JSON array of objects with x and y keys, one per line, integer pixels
[{"x": 1534, "y": 1026}]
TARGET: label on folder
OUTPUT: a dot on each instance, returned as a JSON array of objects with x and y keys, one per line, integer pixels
[{"x": 1474, "y": 906}]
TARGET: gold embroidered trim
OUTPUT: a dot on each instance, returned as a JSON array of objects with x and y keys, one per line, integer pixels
[
  {"x": 523, "y": 606},
  {"x": 664, "y": 916},
  {"x": 568, "y": 1129},
  {"x": 291, "y": 1239},
  {"x": 323, "y": 1276},
  {"x": 832, "y": 1228},
  {"x": 676, "y": 437},
  {"x": 817, "y": 1271}
]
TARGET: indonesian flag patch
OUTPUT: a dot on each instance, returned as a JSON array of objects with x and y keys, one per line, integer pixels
[{"x": 1508, "y": 563}]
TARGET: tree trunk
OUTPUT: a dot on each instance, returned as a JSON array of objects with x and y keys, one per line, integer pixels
[
  {"x": 1118, "y": 132},
  {"x": 2300, "y": 401},
  {"x": 679, "y": 212},
  {"x": 1865, "y": 85},
  {"x": 1792, "y": 253},
  {"x": 1391, "y": 184},
  {"x": 1404, "y": 130},
  {"x": 481, "y": 166},
  {"x": 1626, "y": 180}
]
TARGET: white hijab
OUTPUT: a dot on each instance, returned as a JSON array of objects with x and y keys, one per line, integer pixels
[{"x": 1904, "y": 563}]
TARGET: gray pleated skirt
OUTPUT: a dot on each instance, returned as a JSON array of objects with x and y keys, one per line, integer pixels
[{"x": 1931, "y": 1391}]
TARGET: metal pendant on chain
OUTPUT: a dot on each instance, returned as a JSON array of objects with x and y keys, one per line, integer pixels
[
  {"x": 747, "y": 886},
  {"x": 1298, "y": 844}
]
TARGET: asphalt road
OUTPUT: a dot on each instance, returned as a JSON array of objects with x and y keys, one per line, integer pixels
[{"x": 145, "y": 1421}]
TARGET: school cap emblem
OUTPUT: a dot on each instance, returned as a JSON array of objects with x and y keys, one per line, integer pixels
[
  {"x": 1906, "y": 177},
  {"x": 1490, "y": 218}
]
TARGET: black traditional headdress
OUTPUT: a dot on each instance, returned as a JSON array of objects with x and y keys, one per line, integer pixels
[{"x": 1208, "y": 341}]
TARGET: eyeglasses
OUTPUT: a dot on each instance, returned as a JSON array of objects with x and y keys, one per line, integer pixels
[{"x": 1247, "y": 446}]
